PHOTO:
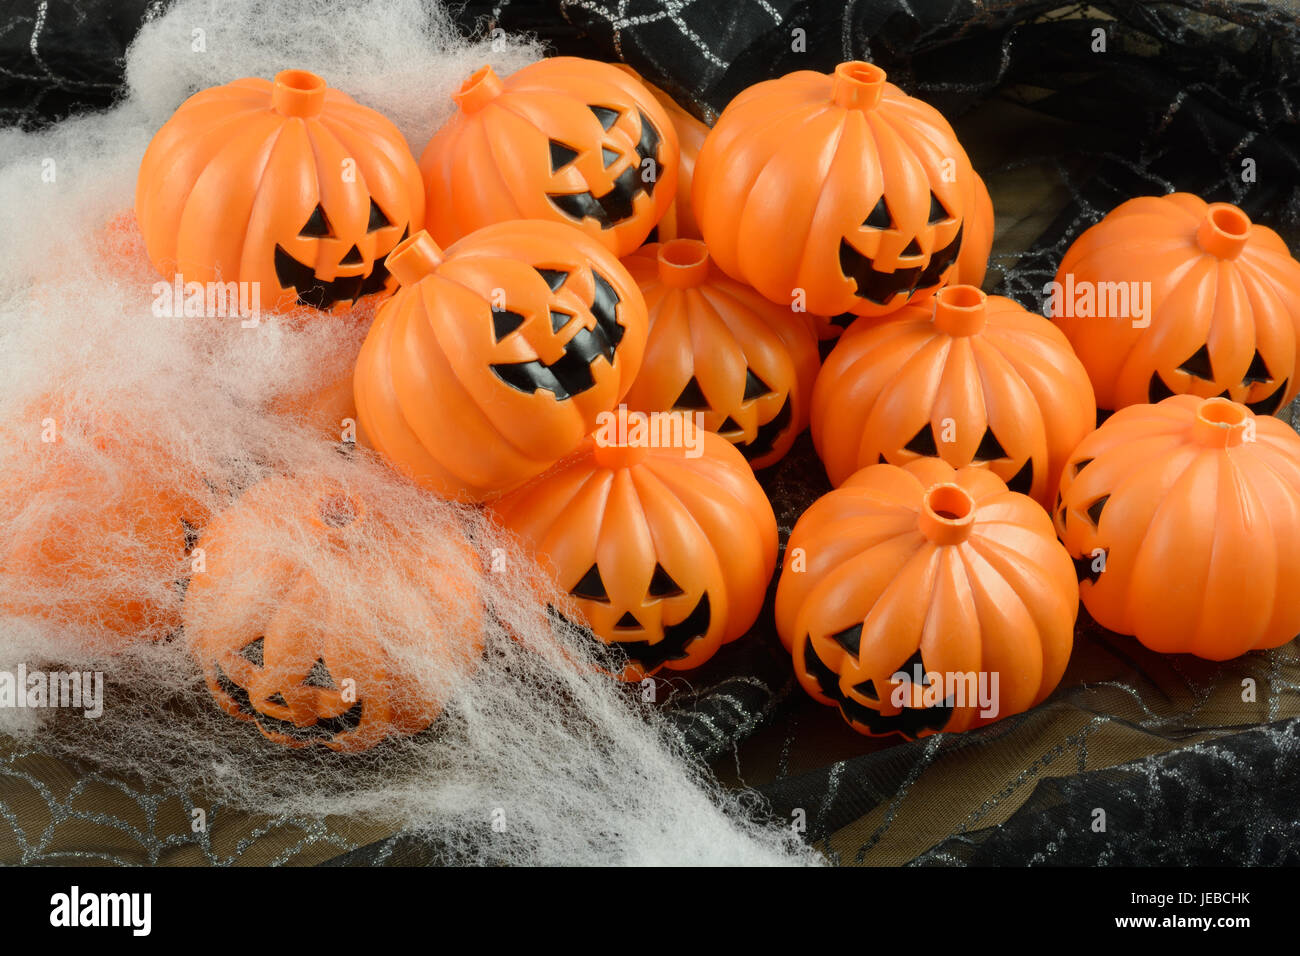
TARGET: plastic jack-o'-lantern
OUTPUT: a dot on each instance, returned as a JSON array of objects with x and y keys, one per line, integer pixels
[
  {"x": 719, "y": 348},
  {"x": 922, "y": 599},
  {"x": 967, "y": 378},
  {"x": 837, "y": 186},
  {"x": 667, "y": 553},
  {"x": 100, "y": 519},
  {"x": 564, "y": 139},
  {"x": 1171, "y": 295},
  {"x": 494, "y": 359},
  {"x": 1184, "y": 522},
  {"x": 309, "y": 666},
  {"x": 289, "y": 185},
  {"x": 679, "y": 221}
]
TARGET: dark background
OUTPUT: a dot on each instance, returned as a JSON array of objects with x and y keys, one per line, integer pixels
[{"x": 1185, "y": 771}]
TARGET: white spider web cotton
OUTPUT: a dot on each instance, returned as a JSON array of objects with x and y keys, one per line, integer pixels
[{"x": 575, "y": 770}]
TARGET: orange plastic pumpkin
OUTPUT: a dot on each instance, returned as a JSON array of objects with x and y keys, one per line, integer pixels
[
  {"x": 1184, "y": 522},
  {"x": 564, "y": 139},
  {"x": 278, "y": 648},
  {"x": 925, "y": 598},
  {"x": 289, "y": 185},
  {"x": 679, "y": 221},
  {"x": 969, "y": 378},
  {"x": 1221, "y": 297},
  {"x": 839, "y": 186},
  {"x": 667, "y": 554},
  {"x": 101, "y": 519},
  {"x": 719, "y": 348},
  {"x": 494, "y": 358}
]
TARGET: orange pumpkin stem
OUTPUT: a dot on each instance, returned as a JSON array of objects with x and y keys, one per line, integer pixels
[
  {"x": 947, "y": 514},
  {"x": 618, "y": 456},
  {"x": 683, "y": 263},
  {"x": 414, "y": 258},
  {"x": 1221, "y": 423},
  {"x": 1224, "y": 230},
  {"x": 858, "y": 85},
  {"x": 482, "y": 87},
  {"x": 298, "y": 93},
  {"x": 960, "y": 310}
]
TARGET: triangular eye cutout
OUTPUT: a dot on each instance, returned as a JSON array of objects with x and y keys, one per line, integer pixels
[
  {"x": 317, "y": 225},
  {"x": 561, "y": 156},
  {"x": 607, "y": 116},
  {"x": 278, "y": 699},
  {"x": 1258, "y": 371},
  {"x": 850, "y": 639},
  {"x": 990, "y": 448},
  {"x": 504, "y": 322},
  {"x": 913, "y": 248},
  {"x": 879, "y": 217},
  {"x": 662, "y": 585},
  {"x": 1094, "y": 510},
  {"x": 377, "y": 218},
  {"x": 923, "y": 442},
  {"x": 1198, "y": 365},
  {"x": 591, "y": 587},
  {"x": 1023, "y": 480},
  {"x": 691, "y": 396},
  {"x": 755, "y": 387},
  {"x": 559, "y": 320},
  {"x": 627, "y": 622},
  {"x": 937, "y": 212},
  {"x": 608, "y": 156},
  {"x": 252, "y": 652},
  {"x": 319, "y": 676},
  {"x": 554, "y": 277},
  {"x": 1081, "y": 464}
]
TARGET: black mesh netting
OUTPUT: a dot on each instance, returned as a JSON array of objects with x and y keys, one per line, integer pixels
[{"x": 1067, "y": 110}]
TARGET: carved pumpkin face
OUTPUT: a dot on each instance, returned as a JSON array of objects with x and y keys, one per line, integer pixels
[
  {"x": 971, "y": 379},
  {"x": 567, "y": 140},
  {"x": 1224, "y": 312},
  {"x": 667, "y": 556},
  {"x": 873, "y": 182},
  {"x": 279, "y": 650},
  {"x": 718, "y": 348},
  {"x": 494, "y": 359},
  {"x": 289, "y": 184},
  {"x": 932, "y": 568},
  {"x": 1184, "y": 522}
]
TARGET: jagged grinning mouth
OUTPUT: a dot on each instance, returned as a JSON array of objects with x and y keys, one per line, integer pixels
[
  {"x": 617, "y": 204},
  {"x": 909, "y": 722},
  {"x": 321, "y": 294},
  {"x": 881, "y": 287},
  {"x": 329, "y": 728}
]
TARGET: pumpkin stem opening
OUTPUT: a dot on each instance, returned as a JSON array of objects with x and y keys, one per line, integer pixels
[
  {"x": 414, "y": 258},
  {"x": 298, "y": 93},
  {"x": 858, "y": 85},
  {"x": 947, "y": 514},
  {"x": 959, "y": 310},
  {"x": 482, "y": 87},
  {"x": 683, "y": 263},
  {"x": 1224, "y": 231},
  {"x": 1221, "y": 423}
]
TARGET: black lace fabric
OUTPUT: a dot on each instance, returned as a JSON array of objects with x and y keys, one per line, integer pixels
[{"x": 1066, "y": 110}]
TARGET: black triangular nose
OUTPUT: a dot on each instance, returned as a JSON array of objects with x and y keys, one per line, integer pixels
[{"x": 353, "y": 257}]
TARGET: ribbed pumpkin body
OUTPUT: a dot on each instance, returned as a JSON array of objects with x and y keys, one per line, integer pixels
[
  {"x": 839, "y": 188},
  {"x": 308, "y": 666},
  {"x": 1170, "y": 295},
  {"x": 564, "y": 139},
  {"x": 971, "y": 379},
  {"x": 667, "y": 554},
  {"x": 99, "y": 516},
  {"x": 1184, "y": 522},
  {"x": 929, "y": 567},
  {"x": 679, "y": 220},
  {"x": 719, "y": 348},
  {"x": 976, "y": 237},
  {"x": 289, "y": 185},
  {"x": 493, "y": 360}
]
